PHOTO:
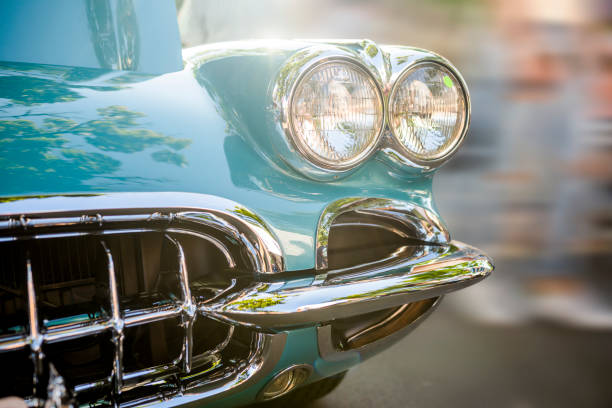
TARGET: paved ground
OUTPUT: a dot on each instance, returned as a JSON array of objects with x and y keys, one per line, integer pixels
[{"x": 452, "y": 362}]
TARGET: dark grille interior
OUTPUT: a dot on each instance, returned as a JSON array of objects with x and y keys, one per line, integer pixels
[{"x": 101, "y": 361}]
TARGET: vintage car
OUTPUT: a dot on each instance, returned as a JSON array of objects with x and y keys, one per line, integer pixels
[{"x": 221, "y": 225}]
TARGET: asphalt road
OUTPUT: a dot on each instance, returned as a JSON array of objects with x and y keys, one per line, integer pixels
[{"x": 449, "y": 361}]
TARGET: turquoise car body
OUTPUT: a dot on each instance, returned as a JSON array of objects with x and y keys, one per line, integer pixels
[
  {"x": 81, "y": 120},
  {"x": 204, "y": 129}
]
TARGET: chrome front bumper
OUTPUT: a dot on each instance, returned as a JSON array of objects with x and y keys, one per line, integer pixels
[
  {"x": 268, "y": 300},
  {"x": 439, "y": 269}
]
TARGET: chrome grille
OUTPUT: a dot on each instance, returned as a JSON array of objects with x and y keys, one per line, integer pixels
[{"x": 67, "y": 288}]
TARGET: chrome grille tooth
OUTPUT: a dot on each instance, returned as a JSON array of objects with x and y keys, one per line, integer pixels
[
  {"x": 116, "y": 322},
  {"x": 117, "y": 362},
  {"x": 188, "y": 346},
  {"x": 35, "y": 338},
  {"x": 188, "y": 306}
]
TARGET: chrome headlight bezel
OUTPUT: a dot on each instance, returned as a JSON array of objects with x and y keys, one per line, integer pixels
[
  {"x": 385, "y": 67},
  {"x": 436, "y": 161},
  {"x": 306, "y": 150},
  {"x": 284, "y": 93}
]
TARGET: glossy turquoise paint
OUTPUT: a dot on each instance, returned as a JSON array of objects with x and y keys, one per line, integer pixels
[
  {"x": 136, "y": 35},
  {"x": 205, "y": 129}
]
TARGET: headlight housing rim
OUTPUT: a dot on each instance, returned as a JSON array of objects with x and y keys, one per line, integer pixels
[
  {"x": 291, "y": 132},
  {"x": 397, "y": 83}
]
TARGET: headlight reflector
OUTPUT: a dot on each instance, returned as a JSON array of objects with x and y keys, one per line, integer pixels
[
  {"x": 336, "y": 115},
  {"x": 428, "y": 112}
]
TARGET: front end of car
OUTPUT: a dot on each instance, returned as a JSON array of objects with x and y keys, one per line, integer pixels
[{"x": 233, "y": 232}]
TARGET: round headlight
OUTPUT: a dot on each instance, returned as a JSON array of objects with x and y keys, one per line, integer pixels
[
  {"x": 336, "y": 115},
  {"x": 428, "y": 112}
]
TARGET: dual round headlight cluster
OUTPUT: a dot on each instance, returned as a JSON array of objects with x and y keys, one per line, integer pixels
[{"x": 337, "y": 113}]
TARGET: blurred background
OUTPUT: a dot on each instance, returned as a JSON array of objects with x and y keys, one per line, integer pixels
[{"x": 532, "y": 186}]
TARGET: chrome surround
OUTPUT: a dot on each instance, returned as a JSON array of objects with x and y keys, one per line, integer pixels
[
  {"x": 439, "y": 269},
  {"x": 397, "y": 144},
  {"x": 430, "y": 228},
  {"x": 307, "y": 367},
  {"x": 328, "y": 352},
  {"x": 245, "y": 226},
  {"x": 265, "y": 352},
  {"x": 286, "y": 107},
  {"x": 386, "y": 65}
]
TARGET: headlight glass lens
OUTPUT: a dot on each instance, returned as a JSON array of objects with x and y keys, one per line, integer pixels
[
  {"x": 428, "y": 111},
  {"x": 336, "y": 114}
]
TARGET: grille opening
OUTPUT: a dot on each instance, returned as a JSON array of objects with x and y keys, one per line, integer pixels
[
  {"x": 16, "y": 373},
  {"x": 205, "y": 261},
  {"x": 237, "y": 351},
  {"x": 71, "y": 275},
  {"x": 12, "y": 284},
  {"x": 356, "y": 238},
  {"x": 208, "y": 333},
  {"x": 84, "y": 360},
  {"x": 71, "y": 280},
  {"x": 145, "y": 265},
  {"x": 152, "y": 344}
]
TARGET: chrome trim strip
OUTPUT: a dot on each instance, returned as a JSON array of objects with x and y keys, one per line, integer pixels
[
  {"x": 13, "y": 342},
  {"x": 264, "y": 250},
  {"x": 152, "y": 314},
  {"x": 77, "y": 330},
  {"x": 328, "y": 352},
  {"x": 427, "y": 224},
  {"x": 443, "y": 269},
  {"x": 88, "y": 328}
]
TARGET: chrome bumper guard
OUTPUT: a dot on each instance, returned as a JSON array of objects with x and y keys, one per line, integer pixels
[{"x": 438, "y": 269}]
